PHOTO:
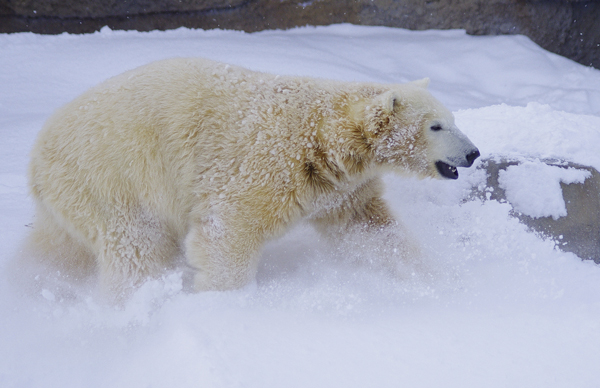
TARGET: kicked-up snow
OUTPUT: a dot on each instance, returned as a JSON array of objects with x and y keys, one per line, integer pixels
[{"x": 493, "y": 304}]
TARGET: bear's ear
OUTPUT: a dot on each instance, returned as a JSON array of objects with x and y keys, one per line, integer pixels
[
  {"x": 387, "y": 101},
  {"x": 423, "y": 83},
  {"x": 379, "y": 113}
]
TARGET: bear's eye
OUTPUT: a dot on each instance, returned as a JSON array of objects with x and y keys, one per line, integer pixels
[{"x": 436, "y": 127}]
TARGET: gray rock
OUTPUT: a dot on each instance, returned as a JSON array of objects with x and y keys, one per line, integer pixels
[{"x": 579, "y": 230}]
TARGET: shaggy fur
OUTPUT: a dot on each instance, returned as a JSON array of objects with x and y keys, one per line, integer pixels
[{"x": 194, "y": 157}]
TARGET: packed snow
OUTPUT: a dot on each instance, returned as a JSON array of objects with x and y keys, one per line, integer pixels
[
  {"x": 493, "y": 305},
  {"x": 533, "y": 187}
]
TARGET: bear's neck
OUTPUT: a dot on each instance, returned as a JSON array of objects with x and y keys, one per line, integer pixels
[{"x": 338, "y": 154}]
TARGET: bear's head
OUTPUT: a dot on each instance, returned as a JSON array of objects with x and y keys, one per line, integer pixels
[{"x": 410, "y": 131}]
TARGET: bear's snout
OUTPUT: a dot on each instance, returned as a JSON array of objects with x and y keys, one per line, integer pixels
[
  {"x": 450, "y": 171},
  {"x": 471, "y": 156}
]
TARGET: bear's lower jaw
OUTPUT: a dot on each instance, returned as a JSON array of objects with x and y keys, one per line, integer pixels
[{"x": 446, "y": 170}]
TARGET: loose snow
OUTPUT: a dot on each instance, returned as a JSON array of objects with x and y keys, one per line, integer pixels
[{"x": 496, "y": 306}]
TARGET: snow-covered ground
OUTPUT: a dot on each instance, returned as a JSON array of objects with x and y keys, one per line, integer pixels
[{"x": 501, "y": 307}]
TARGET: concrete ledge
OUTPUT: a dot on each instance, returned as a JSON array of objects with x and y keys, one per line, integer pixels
[{"x": 577, "y": 232}]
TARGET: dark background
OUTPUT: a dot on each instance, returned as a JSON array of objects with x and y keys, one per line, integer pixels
[{"x": 568, "y": 27}]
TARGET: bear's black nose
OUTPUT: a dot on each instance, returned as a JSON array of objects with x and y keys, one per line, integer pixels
[{"x": 472, "y": 156}]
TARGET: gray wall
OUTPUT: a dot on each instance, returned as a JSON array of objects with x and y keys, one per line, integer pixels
[{"x": 567, "y": 27}]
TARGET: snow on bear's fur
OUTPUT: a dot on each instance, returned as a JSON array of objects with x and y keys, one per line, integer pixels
[{"x": 194, "y": 158}]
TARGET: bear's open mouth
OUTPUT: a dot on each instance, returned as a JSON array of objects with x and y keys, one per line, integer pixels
[{"x": 446, "y": 170}]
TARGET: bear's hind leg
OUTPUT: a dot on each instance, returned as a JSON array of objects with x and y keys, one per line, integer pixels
[
  {"x": 225, "y": 257},
  {"x": 135, "y": 247}
]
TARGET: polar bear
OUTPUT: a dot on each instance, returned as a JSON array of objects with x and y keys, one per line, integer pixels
[{"x": 202, "y": 160}]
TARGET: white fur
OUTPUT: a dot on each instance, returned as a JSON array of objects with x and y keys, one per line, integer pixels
[{"x": 209, "y": 160}]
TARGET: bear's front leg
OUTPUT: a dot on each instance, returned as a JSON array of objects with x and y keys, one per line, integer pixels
[
  {"x": 224, "y": 254},
  {"x": 362, "y": 227}
]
